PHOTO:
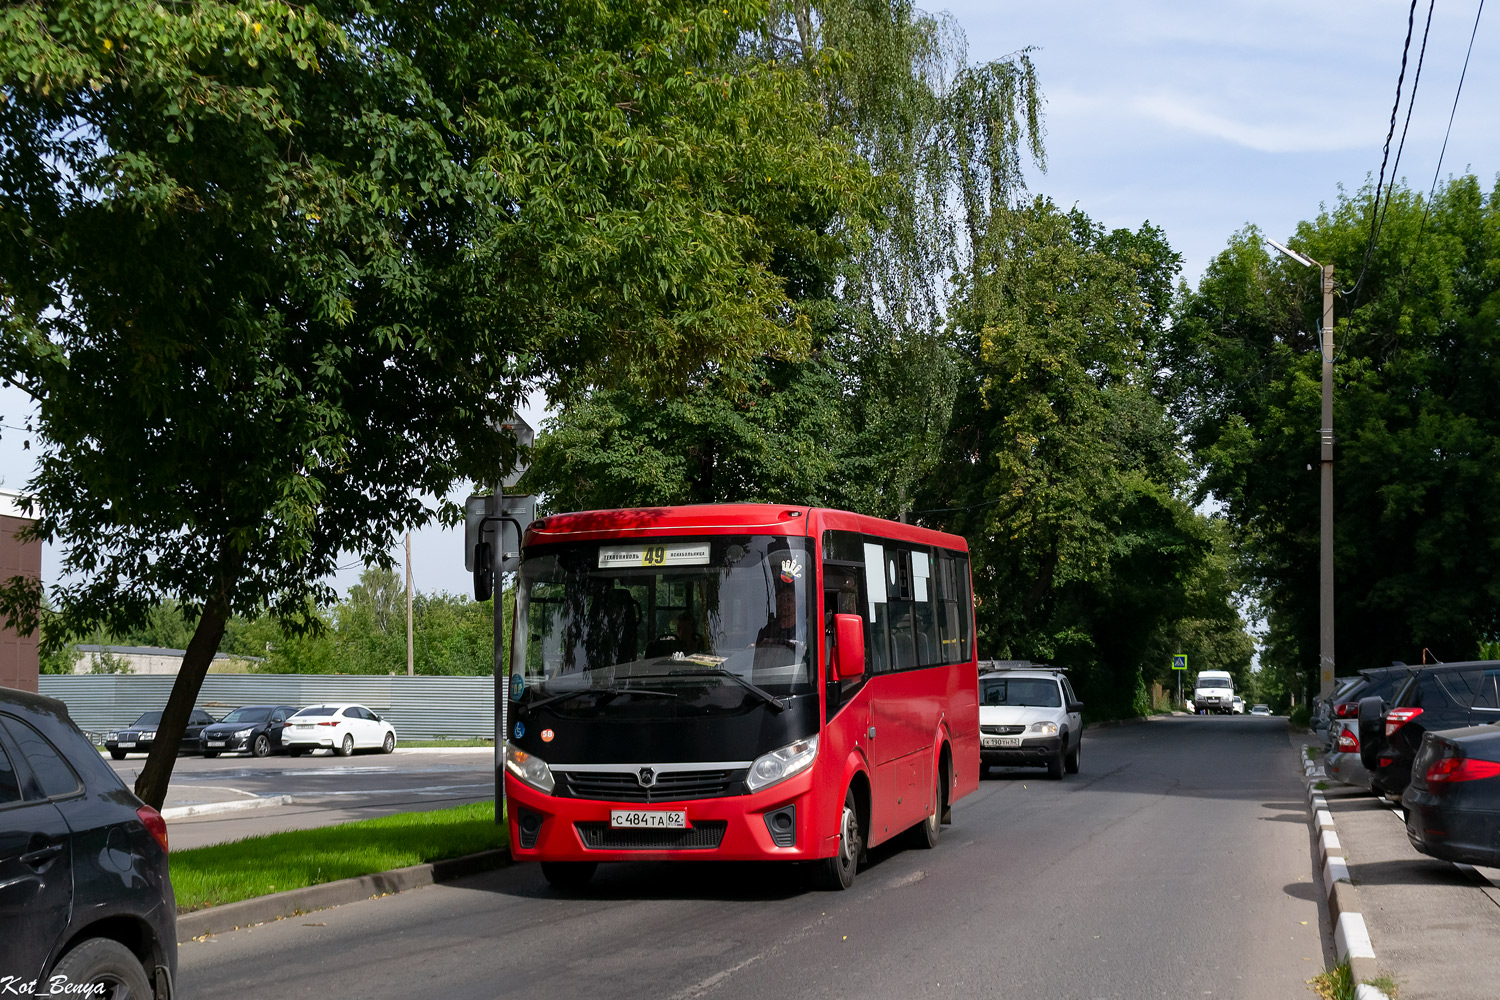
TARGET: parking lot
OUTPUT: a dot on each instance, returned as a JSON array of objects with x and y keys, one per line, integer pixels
[{"x": 240, "y": 795}]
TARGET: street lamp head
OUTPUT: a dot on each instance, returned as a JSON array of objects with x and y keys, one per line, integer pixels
[{"x": 1300, "y": 258}]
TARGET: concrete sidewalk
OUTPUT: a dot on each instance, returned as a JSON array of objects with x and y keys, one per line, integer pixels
[{"x": 1435, "y": 926}]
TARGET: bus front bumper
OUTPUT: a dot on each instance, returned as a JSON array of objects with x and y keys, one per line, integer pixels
[{"x": 733, "y": 828}]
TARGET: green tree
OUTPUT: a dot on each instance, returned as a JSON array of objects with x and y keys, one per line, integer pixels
[
  {"x": 1416, "y": 419},
  {"x": 1062, "y": 466},
  {"x": 270, "y": 271},
  {"x": 857, "y": 423}
]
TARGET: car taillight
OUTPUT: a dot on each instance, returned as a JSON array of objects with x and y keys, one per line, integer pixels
[
  {"x": 1398, "y": 717},
  {"x": 328, "y": 723},
  {"x": 1451, "y": 769},
  {"x": 1348, "y": 742},
  {"x": 153, "y": 822},
  {"x": 1346, "y": 710}
]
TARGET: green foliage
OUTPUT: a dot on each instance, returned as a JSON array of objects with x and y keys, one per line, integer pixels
[
  {"x": 1062, "y": 465},
  {"x": 106, "y": 662},
  {"x": 1416, "y": 419}
]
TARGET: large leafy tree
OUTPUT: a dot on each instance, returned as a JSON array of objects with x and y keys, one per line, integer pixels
[
  {"x": 271, "y": 271},
  {"x": 1062, "y": 466},
  {"x": 863, "y": 415},
  {"x": 1416, "y": 419}
]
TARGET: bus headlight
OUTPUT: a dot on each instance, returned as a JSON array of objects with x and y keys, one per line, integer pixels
[
  {"x": 1046, "y": 728},
  {"x": 529, "y": 768},
  {"x": 779, "y": 765}
]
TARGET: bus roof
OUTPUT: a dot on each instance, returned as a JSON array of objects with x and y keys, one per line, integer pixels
[{"x": 717, "y": 519}]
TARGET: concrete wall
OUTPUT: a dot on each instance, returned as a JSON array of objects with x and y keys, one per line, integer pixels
[{"x": 19, "y": 660}]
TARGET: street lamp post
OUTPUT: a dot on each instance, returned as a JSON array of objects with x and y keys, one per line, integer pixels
[{"x": 1325, "y": 560}]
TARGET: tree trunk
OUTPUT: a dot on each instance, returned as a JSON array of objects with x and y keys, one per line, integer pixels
[{"x": 151, "y": 786}]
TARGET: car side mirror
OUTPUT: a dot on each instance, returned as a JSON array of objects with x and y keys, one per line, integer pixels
[
  {"x": 849, "y": 647},
  {"x": 484, "y": 572},
  {"x": 1075, "y": 706}
]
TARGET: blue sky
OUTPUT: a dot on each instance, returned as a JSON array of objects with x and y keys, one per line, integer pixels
[{"x": 1199, "y": 117}]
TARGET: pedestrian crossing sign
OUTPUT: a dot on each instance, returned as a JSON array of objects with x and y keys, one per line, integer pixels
[{"x": 1179, "y": 662}]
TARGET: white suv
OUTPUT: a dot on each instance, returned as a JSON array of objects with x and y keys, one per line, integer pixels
[{"x": 1029, "y": 717}]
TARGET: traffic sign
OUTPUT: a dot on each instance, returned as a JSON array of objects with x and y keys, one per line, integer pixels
[{"x": 1179, "y": 662}]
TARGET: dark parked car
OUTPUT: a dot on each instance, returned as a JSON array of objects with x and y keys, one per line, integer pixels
[
  {"x": 255, "y": 729},
  {"x": 1453, "y": 801},
  {"x": 1343, "y": 761},
  {"x": 1435, "y": 697},
  {"x": 85, "y": 899},
  {"x": 141, "y": 733}
]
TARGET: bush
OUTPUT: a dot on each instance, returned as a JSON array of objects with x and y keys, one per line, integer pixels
[{"x": 1301, "y": 716}]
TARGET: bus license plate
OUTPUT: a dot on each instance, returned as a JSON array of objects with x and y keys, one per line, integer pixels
[
  {"x": 632, "y": 819},
  {"x": 1001, "y": 741}
]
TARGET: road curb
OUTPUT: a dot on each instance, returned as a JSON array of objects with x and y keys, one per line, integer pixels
[
  {"x": 1351, "y": 936},
  {"x": 295, "y": 902},
  {"x": 232, "y": 805}
]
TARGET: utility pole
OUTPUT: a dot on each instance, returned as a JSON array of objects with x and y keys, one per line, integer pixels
[
  {"x": 410, "y": 662},
  {"x": 1325, "y": 568},
  {"x": 1325, "y": 435}
]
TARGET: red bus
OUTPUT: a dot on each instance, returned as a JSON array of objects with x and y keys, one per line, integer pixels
[{"x": 737, "y": 682}]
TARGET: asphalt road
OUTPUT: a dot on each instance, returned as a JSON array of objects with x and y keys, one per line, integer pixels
[
  {"x": 324, "y": 789},
  {"x": 1176, "y": 865}
]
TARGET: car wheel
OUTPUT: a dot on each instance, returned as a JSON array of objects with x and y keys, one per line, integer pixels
[
  {"x": 346, "y": 748},
  {"x": 837, "y": 872},
  {"x": 1072, "y": 760},
  {"x": 389, "y": 746},
  {"x": 568, "y": 874},
  {"x": 294, "y": 753},
  {"x": 1055, "y": 765},
  {"x": 261, "y": 747},
  {"x": 925, "y": 835},
  {"x": 984, "y": 771},
  {"x": 210, "y": 753},
  {"x": 117, "y": 754},
  {"x": 105, "y": 965}
]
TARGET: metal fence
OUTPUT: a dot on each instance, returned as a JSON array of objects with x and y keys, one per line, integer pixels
[{"x": 421, "y": 708}]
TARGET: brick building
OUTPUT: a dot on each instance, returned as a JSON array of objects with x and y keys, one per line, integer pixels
[{"x": 18, "y": 657}]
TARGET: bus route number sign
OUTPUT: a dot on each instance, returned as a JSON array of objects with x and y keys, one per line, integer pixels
[
  {"x": 1179, "y": 662},
  {"x": 611, "y": 556}
]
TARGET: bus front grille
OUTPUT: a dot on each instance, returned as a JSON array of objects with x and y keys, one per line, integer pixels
[
  {"x": 669, "y": 786},
  {"x": 600, "y": 836}
]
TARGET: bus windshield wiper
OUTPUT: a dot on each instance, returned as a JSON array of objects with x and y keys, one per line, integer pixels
[
  {"x": 760, "y": 692},
  {"x": 609, "y": 694}
]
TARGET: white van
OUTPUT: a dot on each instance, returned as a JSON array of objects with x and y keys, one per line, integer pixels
[{"x": 1214, "y": 693}]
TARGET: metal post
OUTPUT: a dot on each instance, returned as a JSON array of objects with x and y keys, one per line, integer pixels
[
  {"x": 410, "y": 661},
  {"x": 502, "y": 692},
  {"x": 1325, "y": 569}
]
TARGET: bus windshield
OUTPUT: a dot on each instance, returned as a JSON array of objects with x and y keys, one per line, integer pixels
[
  {"x": 664, "y": 628},
  {"x": 1211, "y": 683}
]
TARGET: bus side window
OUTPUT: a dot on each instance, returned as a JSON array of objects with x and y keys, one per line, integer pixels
[
  {"x": 876, "y": 611},
  {"x": 956, "y": 610}
]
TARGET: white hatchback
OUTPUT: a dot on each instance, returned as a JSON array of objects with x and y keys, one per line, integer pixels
[{"x": 340, "y": 728}]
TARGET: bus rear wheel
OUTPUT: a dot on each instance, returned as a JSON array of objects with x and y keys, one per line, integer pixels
[
  {"x": 837, "y": 872},
  {"x": 568, "y": 874},
  {"x": 925, "y": 834}
]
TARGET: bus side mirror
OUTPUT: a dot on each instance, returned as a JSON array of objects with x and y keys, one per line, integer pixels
[
  {"x": 849, "y": 647},
  {"x": 484, "y": 572}
]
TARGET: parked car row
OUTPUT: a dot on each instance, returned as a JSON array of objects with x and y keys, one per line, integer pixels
[
  {"x": 1429, "y": 736},
  {"x": 262, "y": 730}
]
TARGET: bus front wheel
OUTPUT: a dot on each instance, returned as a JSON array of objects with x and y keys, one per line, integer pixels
[{"x": 838, "y": 871}]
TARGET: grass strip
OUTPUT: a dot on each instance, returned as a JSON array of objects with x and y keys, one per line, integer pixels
[{"x": 275, "y": 862}]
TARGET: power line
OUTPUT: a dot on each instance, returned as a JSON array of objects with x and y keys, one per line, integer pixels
[
  {"x": 1437, "y": 172},
  {"x": 1451, "y": 115},
  {"x": 1411, "y": 21}
]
